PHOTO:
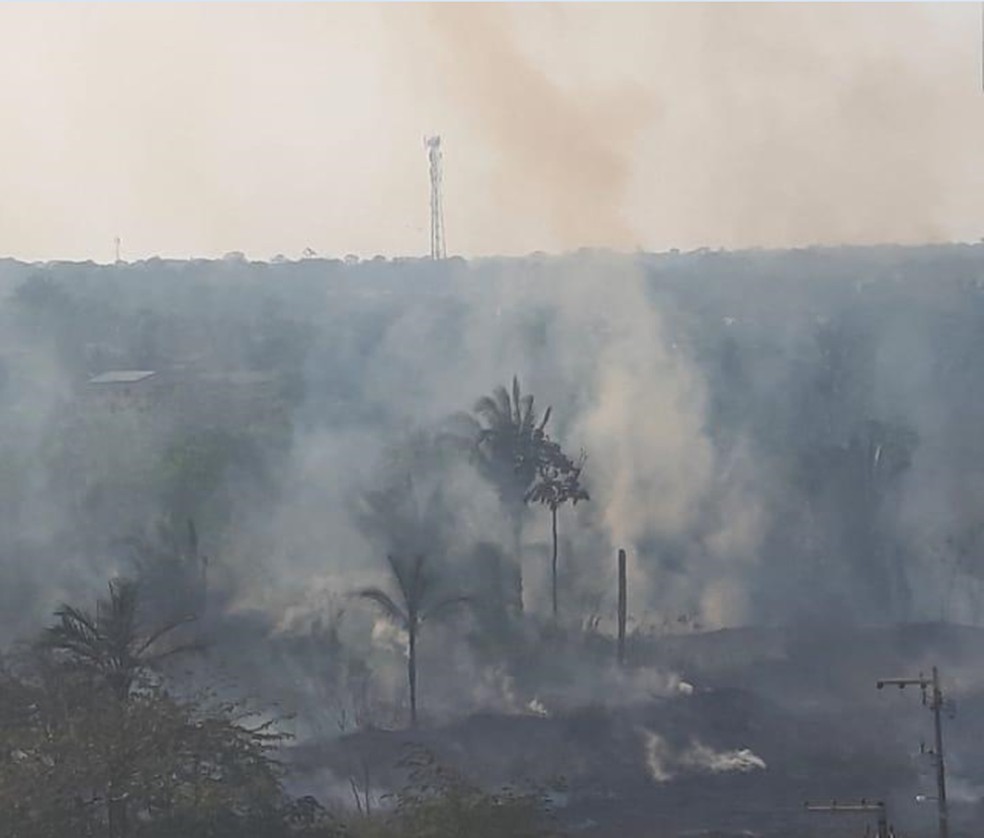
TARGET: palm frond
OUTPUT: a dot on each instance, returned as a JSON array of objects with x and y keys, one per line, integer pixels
[
  {"x": 166, "y": 629},
  {"x": 76, "y": 632},
  {"x": 403, "y": 576},
  {"x": 517, "y": 419},
  {"x": 487, "y": 407},
  {"x": 527, "y": 417},
  {"x": 118, "y": 614},
  {"x": 110, "y": 643},
  {"x": 76, "y": 622},
  {"x": 461, "y": 430},
  {"x": 503, "y": 403},
  {"x": 386, "y": 603},
  {"x": 447, "y": 604}
]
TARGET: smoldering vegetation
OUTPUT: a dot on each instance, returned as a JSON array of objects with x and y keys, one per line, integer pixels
[{"x": 785, "y": 443}]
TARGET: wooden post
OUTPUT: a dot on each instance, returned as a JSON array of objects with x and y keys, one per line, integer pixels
[{"x": 621, "y": 607}]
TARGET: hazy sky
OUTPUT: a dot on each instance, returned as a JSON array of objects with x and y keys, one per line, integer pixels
[{"x": 194, "y": 129}]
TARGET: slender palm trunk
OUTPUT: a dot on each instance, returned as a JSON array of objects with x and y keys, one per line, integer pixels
[
  {"x": 553, "y": 565},
  {"x": 412, "y": 672},
  {"x": 517, "y": 534}
]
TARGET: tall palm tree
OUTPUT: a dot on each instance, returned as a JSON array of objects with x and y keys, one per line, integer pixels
[
  {"x": 558, "y": 482},
  {"x": 112, "y": 644},
  {"x": 415, "y": 602},
  {"x": 508, "y": 440}
]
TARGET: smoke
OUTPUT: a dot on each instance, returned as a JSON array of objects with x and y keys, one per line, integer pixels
[
  {"x": 622, "y": 386},
  {"x": 642, "y": 415},
  {"x": 585, "y": 337},
  {"x": 962, "y": 790},
  {"x": 659, "y": 126},
  {"x": 665, "y": 763},
  {"x": 691, "y": 125},
  {"x": 564, "y": 153},
  {"x": 819, "y": 124}
]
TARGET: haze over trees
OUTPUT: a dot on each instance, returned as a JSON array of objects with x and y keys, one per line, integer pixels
[{"x": 776, "y": 439}]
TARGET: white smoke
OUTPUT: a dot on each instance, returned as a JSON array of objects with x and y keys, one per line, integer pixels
[
  {"x": 665, "y": 764},
  {"x": 652, "y": 463}
]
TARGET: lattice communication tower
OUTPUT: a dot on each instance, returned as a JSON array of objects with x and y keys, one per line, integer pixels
[{"x": 438, "y": 249}]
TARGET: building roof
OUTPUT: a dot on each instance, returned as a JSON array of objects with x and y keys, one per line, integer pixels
[{"x": 122, "y": 377}]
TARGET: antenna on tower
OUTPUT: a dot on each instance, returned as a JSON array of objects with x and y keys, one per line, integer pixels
[
  {"x": 116, "y": 241},
  {"x": 437, "y": 245}
]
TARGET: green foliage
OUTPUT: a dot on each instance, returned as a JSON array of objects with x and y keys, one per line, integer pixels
[
  {"x": 90, "y": 746},
  {"x": 558, "y": 478},
  {"x": 439, "y": 802},
  {"x": 558, "y": 481},
  {"x": 77, "y": 761},
  {"x": 110, "y": 645},
  {"x": 508, "y": 440}
]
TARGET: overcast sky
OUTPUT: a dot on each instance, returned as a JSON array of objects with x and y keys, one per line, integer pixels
[{"x": 193, "y": 129}]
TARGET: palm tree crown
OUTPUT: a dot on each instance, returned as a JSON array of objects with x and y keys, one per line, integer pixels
[
  {"x": 509, "y": 441},
  {"x": 415, "y": 603},
  {"x": 111, "y": 643}
]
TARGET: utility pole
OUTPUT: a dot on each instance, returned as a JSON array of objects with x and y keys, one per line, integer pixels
[
  {"x": 934, "y": 700},
  {"x": 116, "y": 241},
  {"x": 622, "y": 606},
  {"x": 438, "y": 249},
  {"x": 860, "y": 806}
]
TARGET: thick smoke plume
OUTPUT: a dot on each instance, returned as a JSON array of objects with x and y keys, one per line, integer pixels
[
  {"x": 655, "y": 126},
  {"x": 770, "y": 125},
  {"x": 565, "y": 153}
]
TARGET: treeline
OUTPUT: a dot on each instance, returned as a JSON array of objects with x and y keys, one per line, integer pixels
[
  {"x": 811, "y": 361},
  {"x": 806, "y": 364}
]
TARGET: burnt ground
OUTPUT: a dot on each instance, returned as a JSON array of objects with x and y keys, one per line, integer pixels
[{"x": 776, "y": 717}]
